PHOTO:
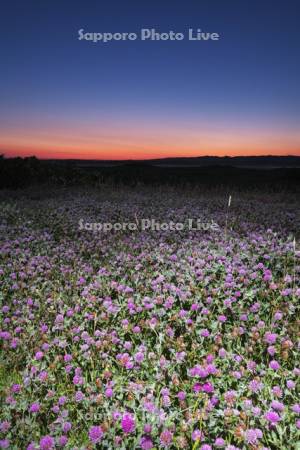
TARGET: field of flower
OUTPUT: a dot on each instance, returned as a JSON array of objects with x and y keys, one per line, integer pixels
[{"x": 149, "y": 339}]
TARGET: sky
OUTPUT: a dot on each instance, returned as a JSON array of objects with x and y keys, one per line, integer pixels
[{"x": 61, "y": 97}]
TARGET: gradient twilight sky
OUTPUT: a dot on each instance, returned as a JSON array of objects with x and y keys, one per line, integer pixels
[{"x": 65, "y": 98}]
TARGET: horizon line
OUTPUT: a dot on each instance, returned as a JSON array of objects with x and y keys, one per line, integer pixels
[{"x": 155, "y": 159}]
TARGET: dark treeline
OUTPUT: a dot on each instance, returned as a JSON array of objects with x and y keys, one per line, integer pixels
[
  {"x": 18, "y": 173},
  {"x": 22, "y": 172}
]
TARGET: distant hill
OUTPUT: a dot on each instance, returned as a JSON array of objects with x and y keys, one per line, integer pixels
[
  {"x": 236, "y": 161},
  {"x": 200, "y": 161},
  {"x": 268, "y": 172}
]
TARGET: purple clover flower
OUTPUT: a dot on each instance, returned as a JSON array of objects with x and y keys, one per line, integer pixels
[
  {"x": 47, "y": 443},
  {"x": 272, "y": 417},
  {"x": 128, "y": 423},
  {"x": 95, "y": 434}
]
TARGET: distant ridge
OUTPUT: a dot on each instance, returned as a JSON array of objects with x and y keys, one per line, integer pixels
[
  {"x": 267, "y": 162},
  {"x": 245, "y": 173},
  {"x": 235, "y": 161}
]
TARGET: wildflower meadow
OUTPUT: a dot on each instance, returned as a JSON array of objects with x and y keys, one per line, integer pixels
[{"x": 149, "y": 338}]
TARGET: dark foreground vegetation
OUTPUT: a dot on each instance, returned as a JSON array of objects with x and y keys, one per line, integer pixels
[{"x": 18, "y": 173}]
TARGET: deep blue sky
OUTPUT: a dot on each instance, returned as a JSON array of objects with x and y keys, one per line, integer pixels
[{"x": 61, "y": 95}]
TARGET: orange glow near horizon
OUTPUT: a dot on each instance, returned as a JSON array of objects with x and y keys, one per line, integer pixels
[
  {"x": 146, "y": 142},
  {"x": 121, "y": 155}
]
